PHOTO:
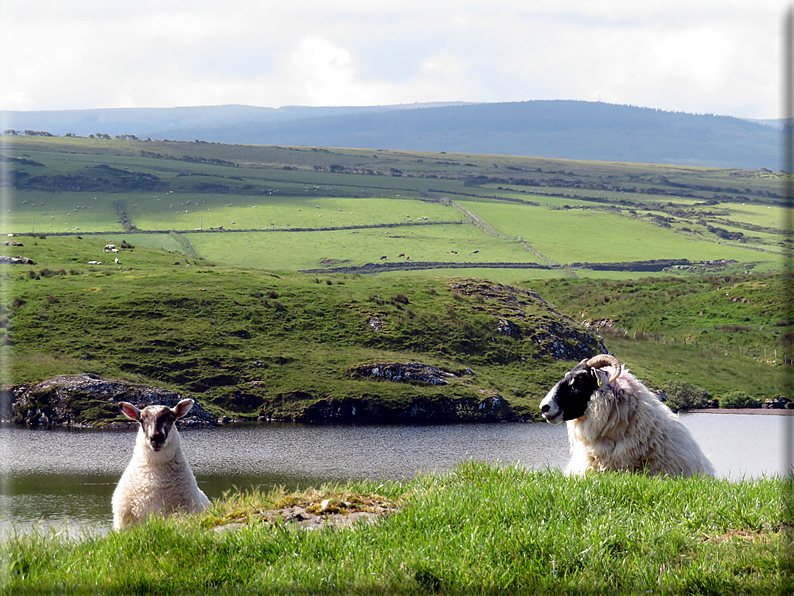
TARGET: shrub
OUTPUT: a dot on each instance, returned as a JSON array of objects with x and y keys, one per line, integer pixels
[
  {"x": 738, "y": 399},
  {"x": 684, "y": 396}
]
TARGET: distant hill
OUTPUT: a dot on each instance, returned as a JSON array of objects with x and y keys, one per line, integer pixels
[
  {"x": 140, "y": 121},
  {"x": 563, "y": 129}
]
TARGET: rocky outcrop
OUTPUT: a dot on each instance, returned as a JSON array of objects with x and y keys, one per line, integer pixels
[
  {"x": 777, "y": 403},
  {"x": 405, "y": 372},
  {"x": 508, "y": 327},
  {"x": 430, "y": 410},
  {"x": 4, "y": 260},
  {"x": 436, "y": 410},
  {"x": 564, "y": 342},
  {"x": 86, "y": 400},
  {"x": 507, "y": 296},
  {"x": 523, "y": 313}
]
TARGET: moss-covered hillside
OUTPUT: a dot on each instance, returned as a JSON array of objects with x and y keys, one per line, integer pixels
[{"x": 281, "y": 345}]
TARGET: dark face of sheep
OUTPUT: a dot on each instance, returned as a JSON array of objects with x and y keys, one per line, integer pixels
[
  {"x": 569, "y": 398},
  {"x": 157, "y": 421}
]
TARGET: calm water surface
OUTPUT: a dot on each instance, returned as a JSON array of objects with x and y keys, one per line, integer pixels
[{"x": 66, "y": 478}]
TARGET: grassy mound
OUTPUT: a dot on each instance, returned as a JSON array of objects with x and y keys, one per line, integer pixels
[{"x": 478, "y": 529}]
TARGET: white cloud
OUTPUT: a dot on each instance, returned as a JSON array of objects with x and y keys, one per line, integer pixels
[
  {"x": 704, "y": 56},
  {"x": 444, "y": 64},
  {"x": 324, "y": 70}
]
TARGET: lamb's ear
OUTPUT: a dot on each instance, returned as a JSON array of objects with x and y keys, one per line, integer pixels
[
  {"x": 182, "y": 408},
  {"x": 130, "y": 411}
]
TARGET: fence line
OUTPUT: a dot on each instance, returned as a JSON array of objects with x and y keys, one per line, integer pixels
[
  {"x": 478, "y": 221},
  {"x": 492, "y": 231}
]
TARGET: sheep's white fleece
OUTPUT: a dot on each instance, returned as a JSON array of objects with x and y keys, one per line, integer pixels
[
  {"x": 159, "y": 482},
  {"x": 626, "y": 427}
]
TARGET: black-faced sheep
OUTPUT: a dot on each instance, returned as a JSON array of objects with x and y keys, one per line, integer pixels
[
  {"x": 158, "y": 479},
  {"x": 616, "y": 423}
]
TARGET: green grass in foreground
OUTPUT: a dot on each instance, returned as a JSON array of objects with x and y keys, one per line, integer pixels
[{"x": 478, "y": 529}]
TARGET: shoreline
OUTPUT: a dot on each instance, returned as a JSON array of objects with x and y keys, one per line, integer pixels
[{"x": 756, "y": 411}]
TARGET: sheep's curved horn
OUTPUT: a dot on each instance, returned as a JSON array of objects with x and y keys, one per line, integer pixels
[{"x": 603, "y": 360}]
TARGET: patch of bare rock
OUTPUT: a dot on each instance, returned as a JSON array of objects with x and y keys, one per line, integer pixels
[{"x": 326, "y": 513}]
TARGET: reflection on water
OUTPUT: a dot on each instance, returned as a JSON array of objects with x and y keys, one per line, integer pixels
[{"x": 68, "y": 477}]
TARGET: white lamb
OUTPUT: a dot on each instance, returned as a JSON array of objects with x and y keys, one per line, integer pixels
[
  {"x": 616, "y": 423},
  {"x": 158, "y": 479}
]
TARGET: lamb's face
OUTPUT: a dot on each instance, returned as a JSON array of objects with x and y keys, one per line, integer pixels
[
  {"x": 156, "y": 421},
  {"x": 569, "y": 398},
  {"x": 156, "y": 424}
]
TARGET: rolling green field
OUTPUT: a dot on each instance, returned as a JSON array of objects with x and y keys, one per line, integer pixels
[
  {"x": 240, "y": 213},
  {"x": 369, "y": 226},
  {"x": 566, "y": 212},
  {"x": 569, "y": 236},
  {"x": 294, "y": 250}
]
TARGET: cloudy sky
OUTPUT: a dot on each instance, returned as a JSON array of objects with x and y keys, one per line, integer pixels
[{"x": 699, "y": 56}]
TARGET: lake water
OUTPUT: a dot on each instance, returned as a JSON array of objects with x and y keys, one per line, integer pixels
[{"x": 66, "y": 478}]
